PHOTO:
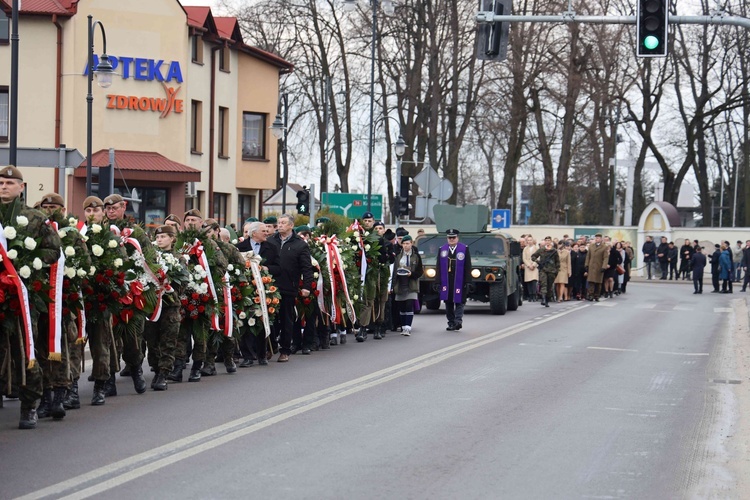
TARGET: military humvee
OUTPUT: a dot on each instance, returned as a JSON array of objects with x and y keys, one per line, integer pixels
[{"x": 495, "y": 259}]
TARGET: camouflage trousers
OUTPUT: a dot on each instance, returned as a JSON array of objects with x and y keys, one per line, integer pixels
[
  {"x": 187, "y": 332},
  {"x": 216, "y": 341},
  {"x": 58, "y": 373},
  {"x": 130, "y": 343},
  {"x": 101, "y": 338},
  {"x": 373, "y": 310},
  {"x": 161, "y": 339},
  {"x": 14, "y": 366},
  {"x": 547, "y": 283}
]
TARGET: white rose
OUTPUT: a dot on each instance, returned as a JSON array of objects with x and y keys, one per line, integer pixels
[
  {"x": 204, "y": 288},
  {"x": 92, "y": 271},
  {"x": 356, "y": 236},
  {"x": 315, "y": 275},
  {"x": 97, "y": 250},
  {"x": 22, "y": 221},
  {"x": 198, "y": 267},
  {"x": 118, "y": 262},
  {"x": 9, "y": 232},
  {"x": 367, "y": 248},
  {"x": 25, "y": 272},
  {"x": 355, "y": 297},
  {"x": 251, "y": 322},
  {"x": 112, "y": 244},
  {"x": 367, "y": 233},
  {"x": 70, "y": 272},
  {"x": 258, "y": 312},
  {"x": 70, "y": 251},
  {"x": 82, "y": 273},
  {"x": 73, "y": 221},
  {"x": 237, "y": 272},
  {"x": 230, "y": 268},
  {"x": 343, "y": 266},
  {"x": 29, "y": 243},
  {"x": 315, "y": 263},
  {"x": 12, "y": 254},
  {"x": 239, "y": 324},
  {"x": 354, "y": 247},
  {"x": 197, "y": 277},
  {"x": 96, "y": 228},
  {"x": 37, "y": 264},
  {"x": 234, "y": 242},
  {"x": 61, "y": 233},
  {"x": 243, "y": 315}
]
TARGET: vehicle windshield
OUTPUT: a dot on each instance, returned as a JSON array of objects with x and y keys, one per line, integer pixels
[{"x": 480, "y": 246}]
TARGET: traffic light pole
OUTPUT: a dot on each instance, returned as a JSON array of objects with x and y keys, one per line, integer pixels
[{"x": 571, "y": 17}]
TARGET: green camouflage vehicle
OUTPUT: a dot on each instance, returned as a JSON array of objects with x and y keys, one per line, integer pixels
[{"x": 495, "y": 259}]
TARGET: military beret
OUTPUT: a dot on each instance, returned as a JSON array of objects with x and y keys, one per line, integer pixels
[
  {"x": 52, "y": 199},
  {"x": 193, "y": 212},
  {"x": 38, "y": 205},
  {"x": 452, "y": 232},
  {"x": 406, "y": 238},
  {"x": 11, "y": 172},
  {"x": 368, "y": 215},
  {"x": 173, "y": 218},
  {"x": 112, "y": 199},
  {"x": 251, "y": 219},
  {"x": 299, "y": 229},
  {"x": 270, "y": 220},
  {"x": 211, "y": 224},
  {"x": 322, "y": 220},
  {"x": 379, "y": 223},
  {"x": 93, "y": 202},
  {"x": 166, "y": 229}
]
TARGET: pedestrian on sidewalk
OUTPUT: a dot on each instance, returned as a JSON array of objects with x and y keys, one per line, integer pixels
[
  {"x": 697, "y": 263},
  {"x": 715, "y": 257},
  {"x": 725, "y": 268}
]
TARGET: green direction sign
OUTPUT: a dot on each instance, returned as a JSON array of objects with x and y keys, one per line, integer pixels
[{"x": 352, "y": 205}]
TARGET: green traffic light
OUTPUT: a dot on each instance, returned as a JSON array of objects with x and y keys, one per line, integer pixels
[{"x": 651, "y": 42}]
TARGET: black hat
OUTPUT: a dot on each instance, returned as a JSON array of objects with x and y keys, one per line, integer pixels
[
  {"x": 400, "y": 231},
  {"x": 368, "y": 215},
  {"x": 717, "y": 245},
  {"x": 452, "y": 232},
  {"x": 379, "y": 223},
  {"x": 389, "y": 235},
  {"x": 270, "y": 220},
  {"x": 322, "y": 220}
]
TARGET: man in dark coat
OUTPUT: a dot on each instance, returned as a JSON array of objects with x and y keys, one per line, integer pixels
[
  {"x": 662, "y": 253},
  {"x": 745, "y": 263},
  {"x": 453, "y": 278},
  {"x": 697, "y": 263},
  {"x": 296, "y": 266},
  {"x": 715, "y": 268},
  {"x": 649, "y": 255}
]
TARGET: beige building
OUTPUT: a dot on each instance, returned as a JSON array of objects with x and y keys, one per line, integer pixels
[{"x": 187, "y": 114}]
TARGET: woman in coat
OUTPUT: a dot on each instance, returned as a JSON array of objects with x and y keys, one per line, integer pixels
[
  {"x": 613, "y": 261},
  {"x": 530, "y": 269},
  {"x": 407, "y": 269},
  {"x": 563, "y": 275},
  {"x": 725, "y": 269}
]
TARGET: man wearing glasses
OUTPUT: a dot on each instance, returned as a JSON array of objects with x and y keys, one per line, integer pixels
[{"x": 454, "y": 278}]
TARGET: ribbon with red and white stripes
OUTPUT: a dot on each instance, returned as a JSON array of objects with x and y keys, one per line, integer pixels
[
  {"x": 228, "y": 313},
  {"x": 336, "y": 269},
  {"x": 200, "y": 254},
  {"x": 54, "y": 312},
  {"x": 126, "y": 236}
]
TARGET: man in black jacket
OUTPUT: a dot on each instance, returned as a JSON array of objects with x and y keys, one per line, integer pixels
[
  {"x": 256, "y": 242},
  {"x": 715, "y": 268},
  {"x": 649, "y": 255},
  {"x": 296, "y": 265},
  {"x": 745, "y": 263},
  {"x": 662, "y": 253}
]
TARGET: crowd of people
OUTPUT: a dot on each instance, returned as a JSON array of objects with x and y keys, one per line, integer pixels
[
  {"x": 574, "y": 269},
  {"x": 183, "y": 298}
]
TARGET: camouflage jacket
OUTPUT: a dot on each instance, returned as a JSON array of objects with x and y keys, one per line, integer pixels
[{"x": 49, "y": 243}]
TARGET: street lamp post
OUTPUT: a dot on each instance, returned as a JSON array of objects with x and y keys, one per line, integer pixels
[
  {"x": 712, "y": 194},
  {"x": 399, "y": 148},
  {"x": 104, "y": 73},
  {"x": 280, "y": 129},
  {"x": 388, "y": 9}
]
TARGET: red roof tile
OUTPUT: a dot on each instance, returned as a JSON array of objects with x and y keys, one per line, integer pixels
[
  {"x": 197, "y": 16},
  {"x": 43, "y": 7},
  {"x": 144, "y": 161},
  {"x": 227, "y": 28}
]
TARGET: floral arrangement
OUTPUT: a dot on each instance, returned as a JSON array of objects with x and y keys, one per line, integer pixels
[
  {"x": 346, "y": 247},
  {"x": 78, "y": 266},
  {"x": 252, "y": 317},
  {"x": 104, "y": 288}
]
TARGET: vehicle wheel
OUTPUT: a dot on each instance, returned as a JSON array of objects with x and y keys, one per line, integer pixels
[
  {"x": 432, "y": 305},
  {"x": 514, "y": 300},
  {"x": 498, "y": 298}
]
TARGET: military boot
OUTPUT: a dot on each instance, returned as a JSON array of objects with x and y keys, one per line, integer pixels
[
  {"x": 139, "y": 383},
  {"x": 160, "y": 381},
  {"x": 208, "y": 369},
  {"x": 72, "y": 401},
  {"x": 361, "y": 334},
  {"x": 110, "y": 387},
  {"x": 28, "y": 418},
  {"x": 45, "y": 407},
  {"x": 100, "y": 387},
  {"x": 195, "y": 372},
  {"x": 176, "y": 374},
  {"x": 379, "y": 328},
  {"x": 57, "y": 410}
]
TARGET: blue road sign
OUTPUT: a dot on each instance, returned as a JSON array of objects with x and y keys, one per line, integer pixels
[{"x": 501, "y": 218}]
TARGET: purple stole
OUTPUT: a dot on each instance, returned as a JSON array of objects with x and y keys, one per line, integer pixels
[{"x": 458, "y": 282}]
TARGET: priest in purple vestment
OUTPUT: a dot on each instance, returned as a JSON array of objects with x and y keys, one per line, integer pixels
[{"x": 453, "y": 278}]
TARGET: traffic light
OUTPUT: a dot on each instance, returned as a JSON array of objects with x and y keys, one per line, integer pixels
[
  {"x": 105, "y": 181},
  {"x": 404, "y": 195},
  {"x": 492, "y": 38},
  {"x": 652, "y": 21},
  {"x": 303, "y": 201}
]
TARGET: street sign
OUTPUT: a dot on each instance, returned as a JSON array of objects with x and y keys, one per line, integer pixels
[
  {"x": 352, "y": 205},
  {"x": 501, "y": 218},
  {"x": 43, "y": 157}
]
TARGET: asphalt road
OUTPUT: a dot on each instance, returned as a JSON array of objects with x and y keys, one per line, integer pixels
[{"x": 614, "y": 399}]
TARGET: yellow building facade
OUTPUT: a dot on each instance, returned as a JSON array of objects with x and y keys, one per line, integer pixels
[{"x": 186, "y": 116}]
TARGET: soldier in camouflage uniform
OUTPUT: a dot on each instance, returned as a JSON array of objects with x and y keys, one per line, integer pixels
[
  {"x": 61, "y": 375},
  {"x": 161, "y": 336},
  {"x": 132, "y": 347},
  {"x": 549, "y": 265},
  {"x": 12, "y": 347},
  {"x": 375, "y": 289}
]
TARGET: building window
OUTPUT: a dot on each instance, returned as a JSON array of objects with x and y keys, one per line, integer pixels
[
  {"x": 197, "y": 49},
  {"x": 223, "y": 132},
  {"x": 253, "y": 136},
  {"x": 196, "y": 127},
  {"x": 4, "y": 29},
  {"x": 224, "y": 59},
  {"x": 4, "y": 113},
  {"x": 245, "y": 208},
  {"x": 220, "y": 208}
]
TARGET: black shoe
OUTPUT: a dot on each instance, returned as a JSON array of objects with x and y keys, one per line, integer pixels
[
  {"x": 263, "y": 361},
  {"x": 110, "y": 388},
  {"x": 208, "y": 370},
  {"x": 378, "y": 335},
  {"x": 695, "y": 292},
  {"x": 546, "y": 302},
  {"x": 28, "y": 418},
  {"x": 306, "y": 350},
  {"x": 451, "y": 327},
  {"x": 458, "y": 326},
  {"x": 246, "y": 362},
  {"x": 230, "y": 365},
  {"x": 361, "y": 334},
  {"x": 91, "y": 378},
  {"x": 57, "y": 409},
  {"x": 342, "y": 338},
  {"x": 160, "y": 382},
  {"x": 139, "y": 383},
  {"x": 72, "y": 401},
  {"x": 98, "y": 397},
  {"x": 45, "y": 406},
  {"x": 125, "y": 372},
  {"x": 596, "y": 299},
  {"x": 176, "y": 374}
]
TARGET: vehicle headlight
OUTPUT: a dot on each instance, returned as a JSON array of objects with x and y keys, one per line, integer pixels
[
  {"x": 430, "y": 273},
  {"x": 475, "y": 273}
]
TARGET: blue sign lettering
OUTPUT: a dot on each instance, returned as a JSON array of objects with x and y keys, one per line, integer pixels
[{"x": 143, "y": 69}]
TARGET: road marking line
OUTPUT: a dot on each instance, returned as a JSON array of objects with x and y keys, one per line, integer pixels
[
  {"x": 605, "y": 304},
  {"x": 722, "y": 309},
  {"x": 683, "y": 353},
  {"x": 645, "y": 306},
  {"x": 128, "y": 469},
  {"x": 611, "y": 349}
]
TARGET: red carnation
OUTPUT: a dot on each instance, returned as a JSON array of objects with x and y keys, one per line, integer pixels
[
  {"x": 195, "y": 296},
  {"x": 191, "y": 307},
  {"x": 201, "y": 309},
  {"x": 74, "y": 296},
  {"x": 109, "y": 273},
  {"x": 65, "y": 311},
  {"x": 66, "y": 283},
  {"x": 100, "y": 297},
  {"x": 306, "y": 300},
  {"x": 204, "y": 298},
  {"x": 102, "y": 307}
]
